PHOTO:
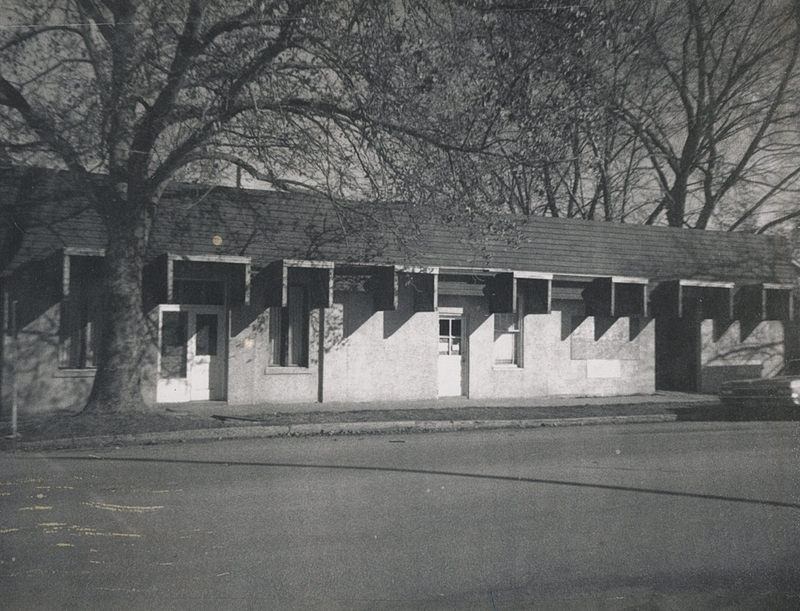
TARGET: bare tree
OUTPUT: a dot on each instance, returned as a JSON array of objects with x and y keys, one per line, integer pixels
[
  {"x": 684, "y": 111},
  {"x": 711, "y": 96},
  {"x": 131, "y": 94}
]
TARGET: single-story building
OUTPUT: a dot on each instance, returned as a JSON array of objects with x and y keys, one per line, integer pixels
[{"x": 268, "y": 297}]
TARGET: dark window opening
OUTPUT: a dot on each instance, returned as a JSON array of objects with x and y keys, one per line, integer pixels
[
  {"x": 289, "y": 330},
  {"x": 81, "y": 315}
]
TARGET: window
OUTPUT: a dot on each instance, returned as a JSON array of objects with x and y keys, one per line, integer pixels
[
  {"x": 506, "y": 339},
  {"x": 450, "y": 336},
  {"x": 289, "y": 330},
  {"x": 79, "y": 335},
  {"x": 174, "y": 332},
  {"x": 206, "y": 335}
]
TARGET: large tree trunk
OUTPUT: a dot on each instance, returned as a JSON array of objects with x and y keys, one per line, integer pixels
[{"x": 117, "y": 385}]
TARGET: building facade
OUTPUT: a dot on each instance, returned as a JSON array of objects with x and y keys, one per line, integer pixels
[{"x": 260, "y": 297}]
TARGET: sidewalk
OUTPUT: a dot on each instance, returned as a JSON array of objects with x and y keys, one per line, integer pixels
[{"x": 207, "y": 421}]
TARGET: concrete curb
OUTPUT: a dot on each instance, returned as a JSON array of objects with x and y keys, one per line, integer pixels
[{"x": 333, "y": 428}]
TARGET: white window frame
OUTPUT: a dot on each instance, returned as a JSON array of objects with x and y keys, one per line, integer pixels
[
  {"x": 81, "y": 316},
  {"x": 282, "y": 333},
  {"x": 513, "y": 331}
]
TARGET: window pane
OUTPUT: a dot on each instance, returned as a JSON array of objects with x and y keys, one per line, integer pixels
[
  {"x": 81, "y": 314},
  {"x": 296, "y": 328},
  {"x": 506, "y": 322},
  {"x": 289, "y": 330},
  {"x": 206, "y": 336},
  {"x": 69, "y": 353},
  {"x": 506, "y": 339},
  {"x": 505, "y": 349},
  {"x": 275, "y": 335},
  {"x": 174, "y": 331},
  {"x": 444, "y": 327},
  {"x": 455, "y": 328}
]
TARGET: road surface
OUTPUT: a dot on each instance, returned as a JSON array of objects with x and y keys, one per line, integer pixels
[{"x": 663, "y": 516}]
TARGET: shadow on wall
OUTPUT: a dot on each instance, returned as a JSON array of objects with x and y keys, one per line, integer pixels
[
  {"x": 32, "y": 362},
  {"x": 749, "y": 354},
  {"x": 31, "y": 357}
]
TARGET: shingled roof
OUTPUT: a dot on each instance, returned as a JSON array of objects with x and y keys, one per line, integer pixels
[{"x": 42, "y": 212}]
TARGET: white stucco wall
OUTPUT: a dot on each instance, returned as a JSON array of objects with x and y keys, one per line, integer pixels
[
  {"x": 558, "y": 359},
  {"x": 739, "y": 350},
  {"x": 379, "y": 356},
  {"x": 33, "y": 359}
]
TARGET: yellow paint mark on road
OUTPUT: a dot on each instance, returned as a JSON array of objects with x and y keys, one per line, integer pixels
[
  {"x": 52, "y": 524},
  {"x": 64, "y": 545},
  {"x": 95, "y": 562},
  {"x": 5, "y": 531},
  {"x": 128, "y": 508},
  {"x": 222, "y": 574},
  {"x": 5, "y": 494},
  {"x": 35, "y": 508}
]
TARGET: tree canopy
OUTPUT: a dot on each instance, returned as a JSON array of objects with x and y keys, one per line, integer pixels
[{"x": 676, "y": 111}]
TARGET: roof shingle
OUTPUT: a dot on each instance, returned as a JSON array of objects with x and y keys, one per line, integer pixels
[{"x": 42, "y": 213}]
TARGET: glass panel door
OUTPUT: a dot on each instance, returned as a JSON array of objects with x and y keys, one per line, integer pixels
[
  {"x": 450, "y": 356},
  {"x": 192, "y": 354}
]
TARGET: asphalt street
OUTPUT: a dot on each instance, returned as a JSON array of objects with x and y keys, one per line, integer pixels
[{"x": 656, "y": 516}]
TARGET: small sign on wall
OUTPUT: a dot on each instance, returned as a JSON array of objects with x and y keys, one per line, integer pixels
[{"x": 605, "y": 368}]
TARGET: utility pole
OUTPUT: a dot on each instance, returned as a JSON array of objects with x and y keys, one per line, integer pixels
[{"x": 14, "y": 406}]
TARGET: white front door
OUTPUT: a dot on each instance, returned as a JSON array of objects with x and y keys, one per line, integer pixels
[
  {"x": 192, "y": 353},
  {"x": 451, "y": 355}
]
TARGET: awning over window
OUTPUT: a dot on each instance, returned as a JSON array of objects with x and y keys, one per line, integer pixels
[
  {"x": 384, "y": 281},
  {"x": 503, "y": 290},
  {"x": 317, "y": 276},
  {"x": 425, "y": 286},
  {"x": 383, "y": 284},
  {"x": 66, "y": 263},
  {"x": 536, "y": 291},
  {"x": 161, "y": 274},
  {"x": 616, "y": 296},
  {"x": 694, "y": 298},
  {"x": 424, "y": 283},
  {"x": 758, "y": 302}
]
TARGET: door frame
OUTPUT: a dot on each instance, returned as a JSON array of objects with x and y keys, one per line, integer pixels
[
  {"x": 456, "y": 313},
  {"x": 222, "y": 347},
  {"x": 678, "y": 354}
]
